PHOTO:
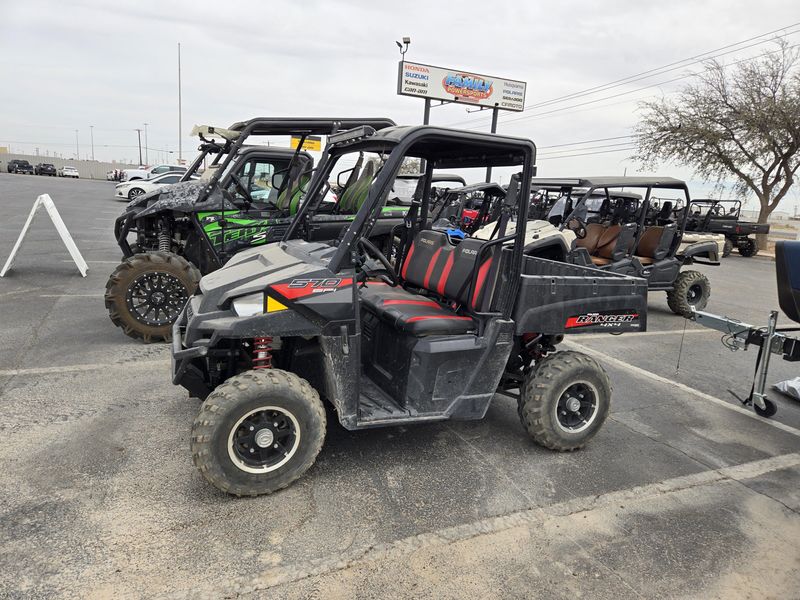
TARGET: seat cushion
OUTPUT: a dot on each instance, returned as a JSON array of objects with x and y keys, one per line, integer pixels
[{"x": 412, "y": 313}]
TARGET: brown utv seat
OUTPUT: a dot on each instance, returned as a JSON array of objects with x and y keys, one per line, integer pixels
[{"x": 654, "y": 244}]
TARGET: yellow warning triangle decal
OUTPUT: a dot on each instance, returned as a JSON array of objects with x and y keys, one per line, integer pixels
[{"x": 274, "y": 306}]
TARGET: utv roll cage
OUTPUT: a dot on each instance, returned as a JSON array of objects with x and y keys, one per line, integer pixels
[{"x": 441, "y": 148}]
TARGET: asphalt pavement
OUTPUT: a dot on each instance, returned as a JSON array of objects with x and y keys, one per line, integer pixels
[{"x": 683, "y": 494}]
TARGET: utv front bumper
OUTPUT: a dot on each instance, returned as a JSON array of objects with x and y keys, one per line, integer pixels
[{"x": 185, "y": 370}]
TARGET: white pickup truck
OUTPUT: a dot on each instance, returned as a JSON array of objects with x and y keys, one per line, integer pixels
[{"x": 150, "y": 172}]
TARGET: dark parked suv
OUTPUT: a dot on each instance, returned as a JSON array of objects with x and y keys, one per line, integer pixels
[
  {"x": 45, "y": 169},
  {"x": 20, "y": 166}
]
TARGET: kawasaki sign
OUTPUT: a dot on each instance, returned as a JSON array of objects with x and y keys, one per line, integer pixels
[{"x": 452, "y": 85}]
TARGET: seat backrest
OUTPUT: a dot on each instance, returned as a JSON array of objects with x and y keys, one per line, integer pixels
[
  {"x": 593, "y": 233},
  {"x": 655, "y": 242},
  {"x": 354, "y": 195},
  {"x": 294, "y": 186},
  {"x": 436, "y": 265},
  {"x": 608, "y": 241}
]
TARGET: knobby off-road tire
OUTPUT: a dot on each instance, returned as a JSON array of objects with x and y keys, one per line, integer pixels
[
  {"x": 564, "y": 401},
  {"x": 748, "y": 247},
  {"x": 691, "y": 288},
  {"x": 727, "y": 248},
  {"x": 159, "y": 281},
  {"x": 234, "y": 436}
]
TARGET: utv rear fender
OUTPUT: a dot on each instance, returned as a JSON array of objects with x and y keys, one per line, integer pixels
[{"x": 704, "y": 253}]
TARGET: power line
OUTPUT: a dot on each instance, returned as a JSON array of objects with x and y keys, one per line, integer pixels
[
  {"x": 601, "y": 147},
  {"x": 658, "y": 70},
  {"x": 587, "y": 153},
  {"x": 660, "y": 83},
  {"x": 619, "y": 137}
]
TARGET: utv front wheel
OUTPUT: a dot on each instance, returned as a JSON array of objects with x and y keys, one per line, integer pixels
[
  {"x": 564, "y": 401},
  {"x": 146, "y": 293},
  {"x": 748, "y": 247},
  {"x": 691, "y": 289},
  {"x": 258, "y": 432}
]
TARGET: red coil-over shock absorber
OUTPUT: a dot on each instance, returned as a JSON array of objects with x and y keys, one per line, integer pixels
[{"x": 262, "y": 353}]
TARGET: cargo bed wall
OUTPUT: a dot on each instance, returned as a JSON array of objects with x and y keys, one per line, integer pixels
[{"x": 557, "y": 297}]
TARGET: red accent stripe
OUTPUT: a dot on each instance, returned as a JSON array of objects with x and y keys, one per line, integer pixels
[
  {"x": 412, "y": 319},
  {"x": 407, "y": 260},
  {"x": 427, "y": 280},
  {"x": 445, "y": 273},
  {"x": 301, "y": 292},
  {"x": 482, "y": 272},
  {"x": 415, "y": 302}
]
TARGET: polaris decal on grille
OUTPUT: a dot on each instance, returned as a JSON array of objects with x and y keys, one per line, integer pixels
[
  {"x": 601, "y": 320},
  {"x": 300, "y": 288}
]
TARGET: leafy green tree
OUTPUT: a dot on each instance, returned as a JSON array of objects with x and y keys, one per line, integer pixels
[{"x": 740, "y": 122}]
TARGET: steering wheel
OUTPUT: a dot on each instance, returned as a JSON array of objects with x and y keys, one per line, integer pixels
[
  {"x": 577, "y": 226},
  {"x": 241, "y": 188},
  {"x": 387, "y": 274}
]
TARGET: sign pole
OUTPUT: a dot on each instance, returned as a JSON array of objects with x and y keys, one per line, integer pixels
[
  {"x": 495, "y": 112},
  {"x": 426, "y": 118}
]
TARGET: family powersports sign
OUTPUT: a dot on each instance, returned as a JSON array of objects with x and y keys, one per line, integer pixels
[{"x": 452, "y": 85}]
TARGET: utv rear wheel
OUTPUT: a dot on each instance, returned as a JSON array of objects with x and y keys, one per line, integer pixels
[
  {"x": 258, "y": 432},
  {"x": 691, "y": 289},
  {"x": 727, "y": 248},
  {"x": 565, "y": 400},
  {"x": 146, "y": 293},
  {"x": 748, "y": 247}
]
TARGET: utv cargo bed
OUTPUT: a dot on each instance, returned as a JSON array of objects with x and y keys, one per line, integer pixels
[{"x": 557, "y": 297}]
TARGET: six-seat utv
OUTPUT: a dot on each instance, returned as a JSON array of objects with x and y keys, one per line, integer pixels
[
  {"x": 618, "y": 231},
  {"x": 434, "y": 336},
  {"x": 245, "y": 197}
]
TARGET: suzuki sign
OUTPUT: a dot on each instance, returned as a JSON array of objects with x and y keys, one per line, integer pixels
[{"x": 452, "y": 85}]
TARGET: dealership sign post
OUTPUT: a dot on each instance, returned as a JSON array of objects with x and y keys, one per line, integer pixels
[{"x": 453, "y": 85}]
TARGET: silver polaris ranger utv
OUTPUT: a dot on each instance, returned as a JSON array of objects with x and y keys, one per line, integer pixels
[{"x": 280, "y": 329}]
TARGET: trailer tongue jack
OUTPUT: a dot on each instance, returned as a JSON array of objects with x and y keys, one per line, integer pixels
[{"x": 770, "y": 339}]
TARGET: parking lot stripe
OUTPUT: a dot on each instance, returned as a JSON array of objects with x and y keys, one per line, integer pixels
[
  {"x": 71, "y": 295},
  {"x": 592, "y": 336},
  {"x": 290, "y": 573},
  {"x": 134, "y": 364},
  {"x": 652, "y": 376}
]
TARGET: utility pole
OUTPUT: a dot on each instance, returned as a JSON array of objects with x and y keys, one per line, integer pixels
[
  {"x": 91, "y": 133},
  {"x": 146, "y": 158},
  {"x": 77, "y": 147},
  {"x": 180, "y": 116},
  {"x": 139, "y": 133}
]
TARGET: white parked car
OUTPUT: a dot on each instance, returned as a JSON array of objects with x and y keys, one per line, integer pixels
[
  {"x": 129, "y": 190},
  {"x": 68, "y": 171},
  {"x": 150, "y": 173}
]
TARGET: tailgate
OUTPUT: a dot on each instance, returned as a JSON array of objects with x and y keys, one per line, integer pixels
[{"x": 556, "y": 297}]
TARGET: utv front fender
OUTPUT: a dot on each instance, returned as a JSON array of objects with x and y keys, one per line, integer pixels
[{"x": 704, "y": 253}]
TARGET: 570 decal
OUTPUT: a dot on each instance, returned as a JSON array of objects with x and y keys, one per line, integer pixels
[{"x": 299, "y": 288}]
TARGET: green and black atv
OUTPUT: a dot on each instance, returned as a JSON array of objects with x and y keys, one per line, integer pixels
[{"x": 245, "y": 197}]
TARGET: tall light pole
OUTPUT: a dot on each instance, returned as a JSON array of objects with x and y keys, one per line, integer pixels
[
  {"x": 180, "y": 116},
  {"x": 139, "y": 133},
  {"x": 146, "y": 158},
  {"x": 91, "y": 133},
  {"x": 77, "y": 147}
]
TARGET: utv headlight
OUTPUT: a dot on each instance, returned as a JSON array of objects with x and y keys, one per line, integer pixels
[{"x": 250, "y": 305}]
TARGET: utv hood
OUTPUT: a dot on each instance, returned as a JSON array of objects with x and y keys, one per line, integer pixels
[
  {"x": 252, "y": 270},
  {"x": 186, "y": 196}
]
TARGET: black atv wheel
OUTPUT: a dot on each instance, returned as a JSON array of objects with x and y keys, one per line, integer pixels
[
  {"x": 146, "y": 293},
  {"x": 727, "y": 248},
  {"x": 258, "y": 432},
  {"x": 564, "y": 401},
  {"x": 691, "y": 289},
  {"x": 748, "y": 247}
]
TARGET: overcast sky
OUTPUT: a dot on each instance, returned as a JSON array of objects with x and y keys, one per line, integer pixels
[{"x": 68, "y": 65}]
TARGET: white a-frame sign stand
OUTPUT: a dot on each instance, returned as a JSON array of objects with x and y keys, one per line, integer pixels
[{"x": 46, "y": 201}]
